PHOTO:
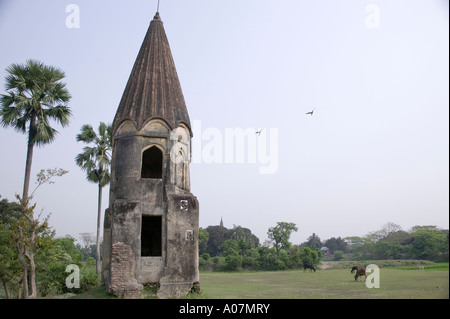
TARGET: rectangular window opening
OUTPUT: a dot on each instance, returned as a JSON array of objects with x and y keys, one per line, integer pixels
[{"x": 151, "y": 236}]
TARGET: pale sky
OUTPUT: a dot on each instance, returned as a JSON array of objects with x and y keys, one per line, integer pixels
[{"x": 376, "y": 149}]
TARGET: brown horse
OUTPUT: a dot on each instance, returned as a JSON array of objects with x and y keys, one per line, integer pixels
[{"x": 359, "y": 273}]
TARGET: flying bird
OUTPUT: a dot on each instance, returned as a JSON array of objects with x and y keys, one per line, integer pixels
[
  {"x": 311, "y": 112},
  {"x": 258, "y": 132}
]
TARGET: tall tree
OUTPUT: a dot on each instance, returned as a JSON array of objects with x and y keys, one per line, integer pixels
[
  {"x": 96, "y": 162},
  {"x": 29, "y": 233},
  {"x": 313, "y": 241},
  {"x": 280, "y": 235},
  {"x": 35, "y": 95}
]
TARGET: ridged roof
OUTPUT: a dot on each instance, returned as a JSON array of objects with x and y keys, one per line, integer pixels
[{"x": 153, "y": 89}]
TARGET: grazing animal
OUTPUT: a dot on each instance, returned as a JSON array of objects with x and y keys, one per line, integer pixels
[
  {"x": 309, "y": 266},
  {"x": 359, "y": 273}
]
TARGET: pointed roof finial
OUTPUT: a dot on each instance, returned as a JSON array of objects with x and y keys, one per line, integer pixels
[
  {"x": 157, "y": 17},
  {"x": 153, "y": 89}
]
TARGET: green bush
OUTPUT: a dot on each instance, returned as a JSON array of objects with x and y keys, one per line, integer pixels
[
  {"x": 88, "y": 280},
  {"x": 219, "y": 263},
  {"x": 205, "y": 262},
  {"x": 233, "y": 262},
  {"x": 338, "y": 254}
]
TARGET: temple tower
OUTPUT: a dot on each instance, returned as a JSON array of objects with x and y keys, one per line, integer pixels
[{"x": 151, "y": 225}]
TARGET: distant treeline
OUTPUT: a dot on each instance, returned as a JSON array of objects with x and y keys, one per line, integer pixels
[
  {"x": 391, "y": 242},
  {"x": 223, "y": 249}
]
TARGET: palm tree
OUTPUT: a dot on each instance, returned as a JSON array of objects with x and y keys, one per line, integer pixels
[
  {"x": 35, "y": 95},
  {"x": 96, "y": 161}
]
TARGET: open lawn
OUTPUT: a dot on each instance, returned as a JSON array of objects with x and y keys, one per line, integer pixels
[
  {"x": 401, "y": 282},
  {"x": 325, "y": 284}
]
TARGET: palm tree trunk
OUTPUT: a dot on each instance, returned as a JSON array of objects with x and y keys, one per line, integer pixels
[
  {"x": 99, "y": 217},
  {"x": 31, "y": 135}
]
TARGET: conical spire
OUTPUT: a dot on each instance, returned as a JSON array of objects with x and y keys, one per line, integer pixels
[{"x": 153, "y": 89}]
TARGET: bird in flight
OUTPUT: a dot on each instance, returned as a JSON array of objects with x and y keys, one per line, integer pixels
[
  {"x": 258, "y": 132},
  {"x": 311, "y": 112}
]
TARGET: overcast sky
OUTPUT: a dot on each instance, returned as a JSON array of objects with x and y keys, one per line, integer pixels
[{"x": 376, "y": 73}]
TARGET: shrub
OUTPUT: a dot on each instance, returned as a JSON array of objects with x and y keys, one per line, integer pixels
[
  {"x": 233, "y": 262},
  {"x": 219, "y": 263},
  {"x": 338, "y": 254},
  {"x": 88, "y": 279}
]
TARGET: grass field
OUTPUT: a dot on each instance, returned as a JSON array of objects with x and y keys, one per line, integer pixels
[
  {"x": 325, "y": 284},
  {"x": 399, "y": 282},
  {"x": 439, "y": 266}
]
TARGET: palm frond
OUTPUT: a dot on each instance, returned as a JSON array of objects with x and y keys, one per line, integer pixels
[
  {"x": 103, "y": 162},
  {"x": 35, "y": 91},
  {"x": 21, "y": 124},
  {"x": 45, "y": 134},
  {"x": 93, "y": 176},
  {"x": 9, "y": 115},
  {"x": 95, "y": 160},
  {"x": 105, "y": 178},
  {"x": 56, "y": 93},
  {"x": 85, "y": 162},
  {"x": 7, "y": 100},
  {"x": 15, "y": 80},
  {"x": 87, "y": 134},
  {"x": 102, "y": 130},
  {"x": 52, "y": 73},
  {"x": 59, "y": 113}
]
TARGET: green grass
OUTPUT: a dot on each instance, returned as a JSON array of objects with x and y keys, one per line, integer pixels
[
  {"x": 438, "y": 266},
  {"x": 325, "y": 284},
  {"x": 401, "y": 282},
  {"x": 388, "y": 263},
  {"x": 404, "y": 281},
  {"x": 94, "y": 293}
]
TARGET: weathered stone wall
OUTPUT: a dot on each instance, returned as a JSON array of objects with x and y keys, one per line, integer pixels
[
  {"x": 124, "y": 269},
  {"x": 123, "y": 278},
  {"x": 181, "y": 267},
  {"x": 106, "y": 247}
]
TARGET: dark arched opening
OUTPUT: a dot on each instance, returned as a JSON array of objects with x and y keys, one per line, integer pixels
[{"x": 152, "y": 162}]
